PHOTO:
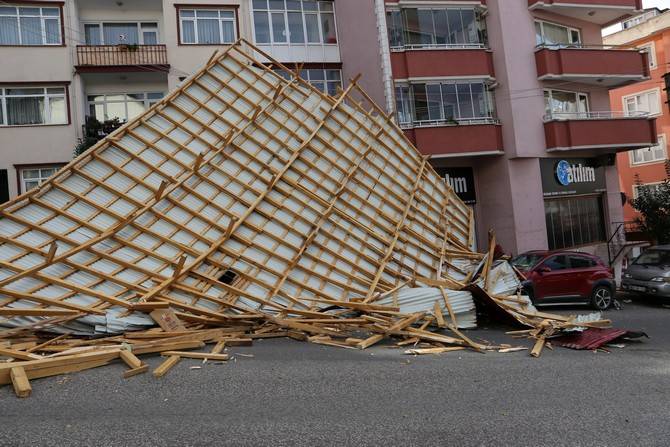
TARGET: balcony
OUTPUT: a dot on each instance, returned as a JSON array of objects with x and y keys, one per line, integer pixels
[
  {"x": 591, "y": 64},
  {"x": 467, "y": 138},
  {"x": 599, "y": 130},
  {"x": 600, "y": 12},
  {"x": 441, "y": 61},
  {"x": 106, "y": 58}
]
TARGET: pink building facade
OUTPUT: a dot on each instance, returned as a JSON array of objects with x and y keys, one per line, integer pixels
[{"x": 511, "y": 100}]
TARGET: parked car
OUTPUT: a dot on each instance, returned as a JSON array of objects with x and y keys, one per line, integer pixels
[
  {"x": 649, "y": 274},
  {"x": 566, "y": 277}
]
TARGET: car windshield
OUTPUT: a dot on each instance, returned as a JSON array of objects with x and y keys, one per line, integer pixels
[
  {"x": 655, "y": 258},
  {"x": 526, "y": 261}
]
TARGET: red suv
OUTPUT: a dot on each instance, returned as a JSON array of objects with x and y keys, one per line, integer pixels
[{"x": 566, "y": 277}]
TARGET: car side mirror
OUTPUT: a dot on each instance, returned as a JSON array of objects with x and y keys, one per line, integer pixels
[{"x": 544, "y": 269}]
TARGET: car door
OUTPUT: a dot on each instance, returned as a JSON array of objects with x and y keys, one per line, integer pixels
[
  {"x": 551, "y": 285},
  {"x": 583, "y": 270}
]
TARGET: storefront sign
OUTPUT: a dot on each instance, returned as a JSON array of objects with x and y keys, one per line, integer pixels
[
  {"x": 462, "y": 180},
  {"x": 572, "y": 176}
]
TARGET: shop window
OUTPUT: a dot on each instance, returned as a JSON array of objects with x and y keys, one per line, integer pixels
[
  {"x": 650, "y": 154},
  {"x": 294, "y": 22},
  {"x": 31, "y": 106},
  {"x": 33, "y": 177},
  {"x": 574, "y": 221},
  {"x": 28, "y": 25},
  {"x": 211, "y": 26}
]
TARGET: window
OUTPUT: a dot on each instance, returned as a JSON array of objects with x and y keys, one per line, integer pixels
[
  {"x": 30, "y": 178},
  {"x": 207, "y": 26},
  {"x": 564, "y": 104},
  {"x": 26, "y": 106},
  {"x": 581, "y": 262},
  {"x": 649, "y": 187},
  {"x": 574, "y": 221},
  {"x": 650, "y": 154},
  {"x": 551, "y": 34},
  {"x": 124, "y": 106},
  {"x": 294, "y": 22},
  {"x": 131, "y": 33},
  {"x": 643, "y": 103},
  {"x": 425, "y": 28},
  {"x": 435, "y": 103},
  {"x": 327, "y": 80},
  {"x": 559, "y": 262},
  {"x": 29, "y": 25},
  {"x": 650, "y": 49}
]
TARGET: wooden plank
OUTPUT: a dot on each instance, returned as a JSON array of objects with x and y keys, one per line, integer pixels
[
  {"x": 537, "y": 348},
  {"x": 423, "y": 351},
  {"x": 167, "y": 320},
  {"x": 135, "y": 371},
  {"x": 437, "y": 310},
  {"x": 19, "y": 355},
  {"x": 196, "y": 355},
  {"x": 130, "y": 359},
  {"x": 20, "y": 382},
  {"x": 164, "y": 367}
]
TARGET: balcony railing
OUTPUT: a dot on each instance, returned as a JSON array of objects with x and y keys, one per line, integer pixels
[
  {"x": 602, "y": 115},
  {"x": 106, "y": 56},
  {"x": 440, "y": 46},
  {"x": 453, "y": 122}
]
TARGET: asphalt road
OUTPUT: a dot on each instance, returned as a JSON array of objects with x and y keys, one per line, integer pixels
[{"x": 292, "y": 393}]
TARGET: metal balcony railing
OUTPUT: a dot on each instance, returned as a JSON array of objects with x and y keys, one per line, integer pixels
[
  {"x": 121, "y": 55},
  {"x": 582, "y": 46},
  {"x": 452, "y": 122},
  {"x": 602, "y": 115},
  {"x": 440, "y": 46}
]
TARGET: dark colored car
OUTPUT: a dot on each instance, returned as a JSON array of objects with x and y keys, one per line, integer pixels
[
  {"x": 649, "y": 274},
  {"x": 566, "y": 277}
]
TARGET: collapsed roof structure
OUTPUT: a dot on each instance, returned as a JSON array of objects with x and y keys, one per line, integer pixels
[
  {"x": 241, "y": 194},
  {"x": 244, "y": 204}
]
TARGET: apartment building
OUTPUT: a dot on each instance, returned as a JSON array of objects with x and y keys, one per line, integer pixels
[
  {"x": 511, "y": 100},
  {"x": 64, "y": 61},
  {"x": 648, "y": 32}
]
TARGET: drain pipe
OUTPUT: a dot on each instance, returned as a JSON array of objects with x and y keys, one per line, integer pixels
[{"x": 387, "y": 74}]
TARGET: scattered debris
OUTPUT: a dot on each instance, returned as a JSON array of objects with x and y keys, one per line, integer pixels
[{"x": 246, "y": 206}]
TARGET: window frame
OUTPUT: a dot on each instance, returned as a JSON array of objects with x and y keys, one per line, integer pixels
[
  {"x": 148, "y": 102},
  {"x": 20, "y": 186},
  {"x": 656, "y": 91},
  {"x": 34, "y": 85},
  {"x": 443, "y": 121},
  {"x": 636, "y": 188},
  {"x": 140, "y": 34},
  {"x": 662, "y": 143},
  {"x": 269, "y": 12},
  {"x": 650, "y": 49},
  {"x": 185, "y": 6},
  {"x": 482, "y": 41},
  {"x": 306, "y": 70},
  {"x": 27, "y": 4},
  {"x": 578, "y": 96},
  {"x": 570, "y": 29}
]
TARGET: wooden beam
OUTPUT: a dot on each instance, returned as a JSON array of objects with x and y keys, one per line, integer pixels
[
  {"x": 164, "y": 367},
  {"x": 20, "y": 382}
]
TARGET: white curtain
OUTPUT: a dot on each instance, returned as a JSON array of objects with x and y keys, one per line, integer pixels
[
  {"x": 22, "y": 110},
  {"x": 9, "y": 31},
  {"x": 208, "y": 31},
  {"x": 120, "y": 33}
]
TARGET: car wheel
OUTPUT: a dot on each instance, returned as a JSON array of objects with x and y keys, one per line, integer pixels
[{"x": 602, "y": 298}]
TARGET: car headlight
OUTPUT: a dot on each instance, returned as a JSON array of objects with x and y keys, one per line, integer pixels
[
  {"x": 660, "y": 279},
  {"x": 627, "y": 275}
]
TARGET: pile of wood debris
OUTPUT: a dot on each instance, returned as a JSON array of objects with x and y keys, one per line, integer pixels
[{"x": 244, "y": 205}]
